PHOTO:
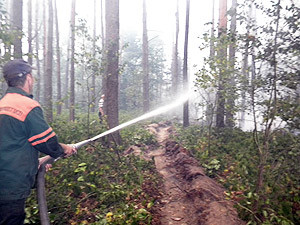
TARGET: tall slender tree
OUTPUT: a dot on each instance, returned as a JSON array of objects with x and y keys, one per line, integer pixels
[
  {"x": 93, "y": 86},
  {"x": 102, "y": 26},
  {"x": 49, "y": 71},
  {"x": 72, "y": 72},
  {"x": 209, "y": 112},
  {"x": 103, "y": 80},
  {"x": 230, "y": 108},
  {"x": 37, "y": 48},
  {"x": 67, "y": 73},
  {"x": 245, "y": 69},
  {"x": 5, "y": 29},
  {"x": 17, "y": 26},
  {"x": 222, "y": 58},
  {"x": 30, "y": 55},
  {"x": 186, "y": 122},
  {"x": 264, "y": 146},
  {"x": 212, "y": 32},
  {"x": 44, "y": 46},
  {"x": 58, "y": 71},
  {"x": 112, "y": 65},
  {"x": 175, "y": 69},
  {"x": 145, "y": 61}
]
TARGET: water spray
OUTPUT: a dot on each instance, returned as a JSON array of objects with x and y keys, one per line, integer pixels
[{"x": 153, "y": 113}]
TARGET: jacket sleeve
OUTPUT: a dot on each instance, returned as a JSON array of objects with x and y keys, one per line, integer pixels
[{"x": 40, "y": 134}]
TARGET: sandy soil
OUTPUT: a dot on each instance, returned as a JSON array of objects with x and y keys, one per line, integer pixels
[{"x": 189, "y": 197}]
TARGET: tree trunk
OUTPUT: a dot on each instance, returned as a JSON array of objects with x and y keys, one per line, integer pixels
[
  {"x": 230, "y": 108},
  {"x": 245, "y": 72},
  {"x": 298, "y": 94},
  {"x": 66, "y": 86},
  {"x": 7, "y": 46},
  {"x": 186, "y": 122},
  {"x": 30, "y": 32},
  {"x": 44, "y": 48},
  {"x": 37, "y": 48},
  {"x": 72, "y": 84},
  {"x": 222, "y": 56},
  {"x": 102, "y": 26},
  {"x": 49, "y": 70},
  {"x": 175, "y": 72},
  {"x": 272, "y": 109},
  {"x": 112, "y": 66},
  {"x": 16, "y": 23},
  {"x": 209, "y": 111},
  {"x": 93, "y": 86},
  {"x": 145, "y": 61},
  {"x": 212, "y": 33},
  {"x": 59, "y": 103},
  {"x": 104, "y": 83}
]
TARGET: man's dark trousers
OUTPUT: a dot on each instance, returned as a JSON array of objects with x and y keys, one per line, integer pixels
[{"x": 12, "y": 212}]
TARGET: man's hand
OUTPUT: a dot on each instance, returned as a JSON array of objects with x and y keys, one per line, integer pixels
[
  {"x": 68, "y": 149},
  {"x": 44, "y": 159}
]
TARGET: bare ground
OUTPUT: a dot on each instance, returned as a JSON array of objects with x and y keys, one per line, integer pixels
[{"x": 188, "y": 196}]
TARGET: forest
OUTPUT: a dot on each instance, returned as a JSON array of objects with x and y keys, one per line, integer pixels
[{"x": 213, "y": 105}]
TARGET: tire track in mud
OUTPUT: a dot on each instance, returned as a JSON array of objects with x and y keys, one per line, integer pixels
[{"x": 189, "y": 197}]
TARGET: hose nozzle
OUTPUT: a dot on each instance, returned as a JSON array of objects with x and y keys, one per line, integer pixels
[{"x": 78, "y": 145}]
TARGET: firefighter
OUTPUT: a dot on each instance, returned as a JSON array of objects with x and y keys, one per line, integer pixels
[
  {"x": 100, "y": 106},
  {"x": 23, "y": 134}
]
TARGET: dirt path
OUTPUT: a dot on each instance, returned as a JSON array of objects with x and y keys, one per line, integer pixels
[{"x": 189, "y": 196}]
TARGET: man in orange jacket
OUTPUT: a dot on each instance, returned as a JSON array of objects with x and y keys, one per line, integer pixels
[{"x": 23, "y": 134}]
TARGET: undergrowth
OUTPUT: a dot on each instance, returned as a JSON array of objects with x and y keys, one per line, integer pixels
[{"x": 98, "y": 186}]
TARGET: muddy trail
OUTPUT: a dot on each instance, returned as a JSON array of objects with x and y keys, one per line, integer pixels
[{"x": 188, "y": 196}]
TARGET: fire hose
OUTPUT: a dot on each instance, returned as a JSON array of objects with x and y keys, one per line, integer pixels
[{"x": 41, "y": 194}]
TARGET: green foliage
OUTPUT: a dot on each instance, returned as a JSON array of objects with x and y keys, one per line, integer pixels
[
  {"x": 135, "y": 135},
  {"x": 261, "y": 170},
  {"x": 80, "y": 129},
  {"x": 232, "y": 159},
  {"x": 96, "y": 186}
]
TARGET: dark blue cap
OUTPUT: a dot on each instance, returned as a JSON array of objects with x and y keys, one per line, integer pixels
[{"x": 16, "y": 68}]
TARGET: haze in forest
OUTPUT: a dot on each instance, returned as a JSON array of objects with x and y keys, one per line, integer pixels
[
  {"x": 240, "y": 57},
  {"x": 161, "y": 25}
]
